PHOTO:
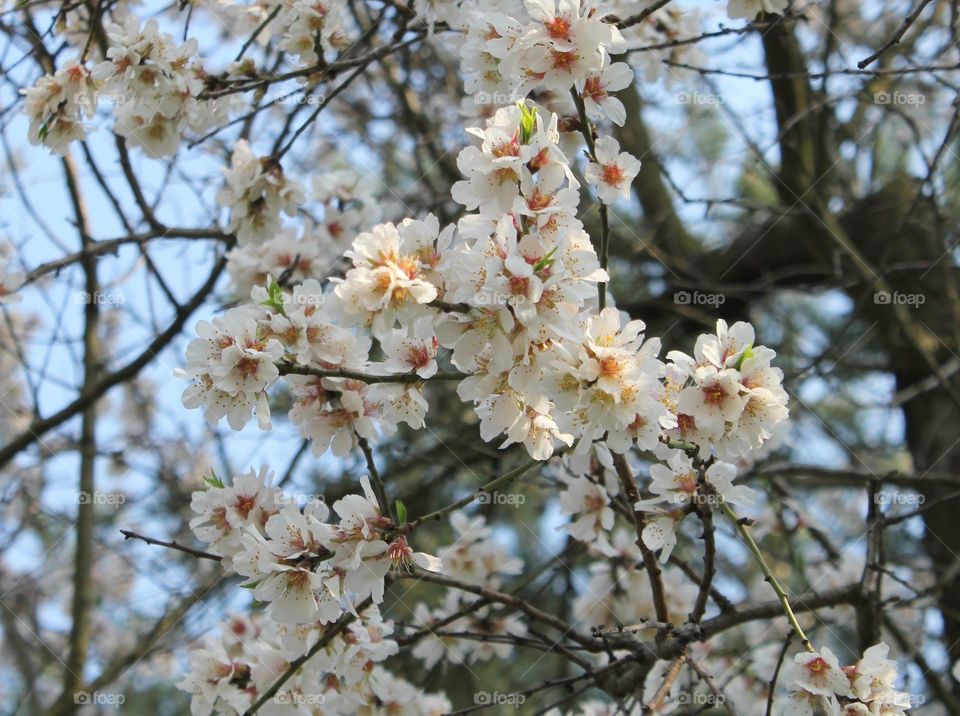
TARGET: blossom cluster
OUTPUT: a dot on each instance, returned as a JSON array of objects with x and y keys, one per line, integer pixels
[
  {"x": 818, "y": 683},
  {"x": 58, "y": 104},
  {"x": 344, "y": 675},
  {"x": 508, "y": 291},
  {"x": 310, "y": 571},
  {"x": 514, "y": 48},
  {"x": 726, "y": 397},
  {"x": 258, "y": 193},
  {"x": 306, "y": 28},
  {"x": 678, "y": 488},
  {"x": 153, "y": 83},
  {"x": 307, "y": 569},
  {"x": 312, "y": 27},
  {"x": 537, "y": 269}
]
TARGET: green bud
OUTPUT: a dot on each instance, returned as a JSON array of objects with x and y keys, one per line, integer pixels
[
  {"x": 528, "y": 121},
  {"x": 747, "y": 354},
  {"x": 274, "y": 297},
  {"x": 546, "y": 260},
  {"x": 213, "y": 480}
]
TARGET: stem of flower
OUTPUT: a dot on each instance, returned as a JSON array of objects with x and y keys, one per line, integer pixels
[
  {"x": 407, "y": 378},
  {"x": 379, "y": 490},
  {"x": 768, "y": 574},
  {"x": 603, "y": 249}
]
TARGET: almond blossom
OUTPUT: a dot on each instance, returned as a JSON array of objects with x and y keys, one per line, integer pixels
[
  {"x": 347, "y": 324},
  {"x": 57, "y": 106},
  {"x": 231, "y": 366},
  {"x": 613, "y": 172},
  {"x": 414, "y": 351},
  {"x": 590, "y": 503},
  {"x": 817, "y": 681},
  {"x": 390, "y": 278},
  {"x": 820, "y": 673},
  {"x": 727, "y": 397},
  {"x": 257, "y": 192},
  {"x": 597, "y": 92}
]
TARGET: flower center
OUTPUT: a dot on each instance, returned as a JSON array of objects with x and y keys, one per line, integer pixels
[
  {"x": 714, "y": 394},
  {"x": 611, "y": 174},
  {"x": 558, "y": 28}
]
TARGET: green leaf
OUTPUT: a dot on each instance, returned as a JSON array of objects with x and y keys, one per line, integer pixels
[
  {"x": 401, "y": 510},
  {"x": 213, "y": 480},
  {"x": 274, "y": 297},
  {"x": 747, "y": 354},
  {"x": 528, "y": 121},
  {"x": 545, "y": 261}
]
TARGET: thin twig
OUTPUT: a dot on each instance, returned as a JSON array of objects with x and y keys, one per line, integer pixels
[
  {"x": 897, "y": 36},
  {"x": 173, "y": 544},
  {"x": 744, "y": 532},
  {"x": 379, "y": 490},
  {"x": 772, "y": 686}
]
